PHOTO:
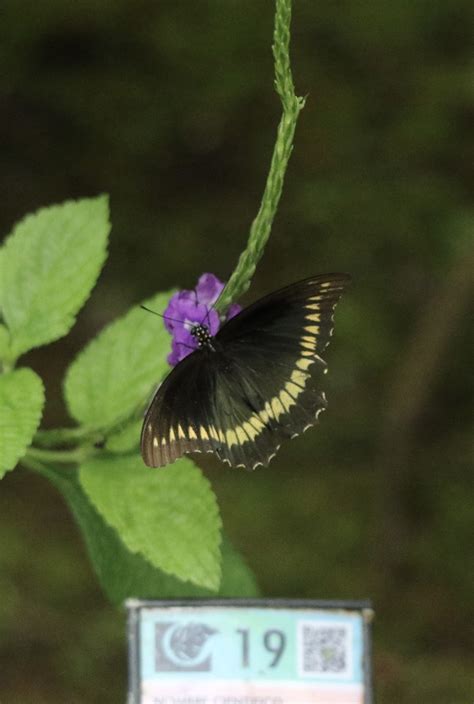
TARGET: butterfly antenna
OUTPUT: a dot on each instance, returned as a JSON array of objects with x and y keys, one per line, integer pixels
[
  {"x": 185, "y": 345},
  {"x": 213, "y": 307},
  {"x": 207, "y": 310},
  {"x": 208, "y": 318},
  {"x": 166, "y": 317}
]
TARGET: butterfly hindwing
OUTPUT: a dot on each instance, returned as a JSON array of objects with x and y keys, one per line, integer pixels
[
  {"x": 255, "y": 415},
  {"x": 177, "y": 421},
  {"x": 259, "y": 385}
]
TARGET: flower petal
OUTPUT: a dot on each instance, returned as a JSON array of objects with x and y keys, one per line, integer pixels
[
  {"x": 187, "y": 308},
  {"x": 208, "y": 289},
  {"x": 233, "y": 310}
]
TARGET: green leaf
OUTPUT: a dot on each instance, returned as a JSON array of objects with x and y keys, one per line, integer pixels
[
  {"x": 237, "y": 577},
  {"x": 124, "y": 574},
  {"x": 4, "y": 343},
  {"x": 21, "y": 404},
  {"x": 2, "y": 275},
  {"x": 169, "y": 516},
  {"x": 126, "y": 439},
  {"x": 114, "y": 374},
  {"x": 50, "y": 263}
]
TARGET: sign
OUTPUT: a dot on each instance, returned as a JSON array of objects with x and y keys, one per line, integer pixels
[{"x": 249, "y": 652}]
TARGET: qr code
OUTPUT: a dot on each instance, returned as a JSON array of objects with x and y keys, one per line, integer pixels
[{"x": 325, "y": 648}]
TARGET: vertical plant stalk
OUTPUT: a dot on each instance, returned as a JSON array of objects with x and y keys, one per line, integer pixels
[{"x": 292, "y": 105}]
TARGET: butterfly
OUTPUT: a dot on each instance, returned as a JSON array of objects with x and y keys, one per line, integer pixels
[{"x": 252, "y": 385}]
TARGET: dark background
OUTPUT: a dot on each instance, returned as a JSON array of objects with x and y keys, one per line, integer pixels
[{"x": 168, "y": 106}]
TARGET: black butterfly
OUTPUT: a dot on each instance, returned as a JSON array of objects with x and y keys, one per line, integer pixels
[{"x": 253, "y": 384}]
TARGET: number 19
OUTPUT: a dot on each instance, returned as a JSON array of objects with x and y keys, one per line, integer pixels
[{"x": 274, "y": 641}]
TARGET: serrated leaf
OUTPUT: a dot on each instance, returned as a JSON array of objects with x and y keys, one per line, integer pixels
[
  {"x": 50, "y": 263},
  {"x": 114, "y": 374},
  {"x": 124, "y": 574},
  {"x": 168, "y": 516},
  {"x": 21, "y": 404}
]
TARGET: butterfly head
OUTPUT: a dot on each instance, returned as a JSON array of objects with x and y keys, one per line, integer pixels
[{"x": 202, "y": 335}]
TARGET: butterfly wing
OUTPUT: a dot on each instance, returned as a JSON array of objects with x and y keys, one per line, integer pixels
[
  {"x": 179, "y": 417},
  {"x": 297, "y": 311},
  {"x": 272, "y": 388},
  {"x": 259, "y": 386}
]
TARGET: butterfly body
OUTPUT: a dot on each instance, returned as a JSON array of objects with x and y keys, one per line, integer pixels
[
  {"x": 203, "y": 336},
  {"x": 252, "y": 385}
]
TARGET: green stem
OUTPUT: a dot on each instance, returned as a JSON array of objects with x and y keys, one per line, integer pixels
[
  {"x": 55, "y": 476},
  {"x": 66, "y": 436},
  {"x": 69, "y": 436},
  {"x": 292, "y": 105},
  {"x": 76, "y": 455}
]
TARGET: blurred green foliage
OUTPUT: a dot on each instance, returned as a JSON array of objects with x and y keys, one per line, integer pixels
[{"x": 169, "y": 107}]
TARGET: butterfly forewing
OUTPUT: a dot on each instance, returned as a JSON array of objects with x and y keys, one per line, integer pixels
[
  {"x": 259, "y": 385},
  {"x": 303, "y": 309}
]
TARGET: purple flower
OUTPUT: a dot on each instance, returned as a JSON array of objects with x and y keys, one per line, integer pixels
[{"x": 188, "y": 308}]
